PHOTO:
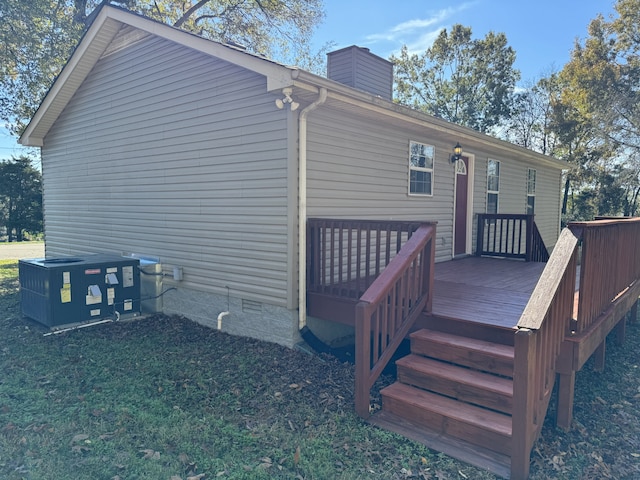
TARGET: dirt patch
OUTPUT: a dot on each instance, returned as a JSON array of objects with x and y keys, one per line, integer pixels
[{"x": 19, "y": 250}]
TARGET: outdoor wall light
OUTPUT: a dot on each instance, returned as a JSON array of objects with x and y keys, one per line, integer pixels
[
  {"x": 280, "y": 103},
  {"x": 457, "y": 153}
]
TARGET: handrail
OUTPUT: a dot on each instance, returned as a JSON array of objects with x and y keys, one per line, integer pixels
[
  {"x": 510, "y": 235},
  {"x": 539, "y": 336},
  {"x": 609, "y": 264},
  {"x": 553, "y": 274},
  {"x": 389, "y": 308}
]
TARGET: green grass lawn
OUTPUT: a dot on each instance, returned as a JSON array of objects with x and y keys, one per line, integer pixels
[{"x": 165, "y": 398}]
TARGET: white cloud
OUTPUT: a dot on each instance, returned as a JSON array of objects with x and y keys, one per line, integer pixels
[
  {"x": 424, "y": 41},
  {"x": 418, "y": 33},
  {"x": 411, "y": 26}
]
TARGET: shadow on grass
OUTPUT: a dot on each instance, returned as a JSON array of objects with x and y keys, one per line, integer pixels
[{"x": 8, "y": 269}]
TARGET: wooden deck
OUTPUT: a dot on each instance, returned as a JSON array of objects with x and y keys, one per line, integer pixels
[
  {"x": 489, "y": 336},
  {"x": 491, "y": 291},
  {"x": 483, "y": 290}
]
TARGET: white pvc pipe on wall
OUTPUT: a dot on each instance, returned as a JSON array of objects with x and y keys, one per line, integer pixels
[{"x": 302, "y": 206}]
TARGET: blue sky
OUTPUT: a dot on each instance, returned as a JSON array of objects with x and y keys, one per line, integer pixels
[{"x": 542, "y": 32}]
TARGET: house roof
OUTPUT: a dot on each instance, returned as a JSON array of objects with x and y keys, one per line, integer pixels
[{"x": 114, "y": 28}]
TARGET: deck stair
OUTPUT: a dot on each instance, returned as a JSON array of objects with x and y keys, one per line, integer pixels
[{"x": 454, "y": 394}]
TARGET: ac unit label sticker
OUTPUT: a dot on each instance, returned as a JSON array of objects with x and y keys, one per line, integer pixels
[
  {"x": 127, "y": 276},
  {"x": 65, "y": 294}
]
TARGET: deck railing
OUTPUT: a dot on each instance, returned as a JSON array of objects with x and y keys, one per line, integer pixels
[
  {"x": 510, "y": 236},
  {"x": 609, "y": 261},
  {"x": 610, "y": 264},
  {"x": 389, "y": 308},
  {"x": 538, "y": 250},
  {"x": 346, "y": 256}
]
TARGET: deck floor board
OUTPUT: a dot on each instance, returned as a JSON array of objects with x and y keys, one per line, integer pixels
[{"x": 484, "y": 290}]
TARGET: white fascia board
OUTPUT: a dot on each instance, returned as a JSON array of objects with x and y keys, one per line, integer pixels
[{"x": 30, "y": 141}]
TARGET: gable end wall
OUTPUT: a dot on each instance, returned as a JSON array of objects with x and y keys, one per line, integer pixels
[{"x": 168, "y": 152}]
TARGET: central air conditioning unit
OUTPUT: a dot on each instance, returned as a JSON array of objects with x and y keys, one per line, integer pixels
[{"x": 69, "y": 290}]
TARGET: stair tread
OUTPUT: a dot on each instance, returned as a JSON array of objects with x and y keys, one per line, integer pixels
[
  {"x": 490, "y": 348},
  {"x": 463, "y": 412},
  {"x": 474, "y": 378},
  {"x": 479, "y": 456}
]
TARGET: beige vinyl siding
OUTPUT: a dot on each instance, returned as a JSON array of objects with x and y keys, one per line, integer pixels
[
  {"x": 360, "y": 169},
  {"x": 513, "y": 193},
  {"x": 513, "y": 189},
  {"x": 513, "y": 196},
  {"x": 168, "y": 152},
  {"x": 548, "y": 200},
  {"x": 480, "y": 183}
]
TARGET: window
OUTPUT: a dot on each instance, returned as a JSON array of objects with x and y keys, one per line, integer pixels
[
  {"x": 493, "y": 185},
  {"x": 461, "y": 167},
  {"x": 421, "y": 169},
  {"x": 531, "y": 191}
]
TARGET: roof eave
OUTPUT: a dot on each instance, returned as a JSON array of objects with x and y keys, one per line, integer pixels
[
  {"x": 74, "y": 72},
  {"x": 340, "y": 92},
  {"x": 101, "y": 32}
]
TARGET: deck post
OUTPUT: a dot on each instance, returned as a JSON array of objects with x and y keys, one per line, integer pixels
[
  {"x": 621, "y": 330},
  {"x": 634, "y": 312},
  {"x": 522, "y": 430},
  {"x": 479, "y": 235},
  {"x": 363, "y": 359},
  {"x": 599, "y": 356},
  {"x": 566, "y": 389},
  {"x": 429, "y": 277},
  {"x": 529, "y": 242}
]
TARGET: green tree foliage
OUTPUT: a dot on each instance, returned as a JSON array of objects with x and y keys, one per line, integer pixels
[
  {"x": 20, "y": 198},
  {"x": 531, "y": 122},
  {"x": 598, "y": 116},
  {"x": 35, "y": 38},
  {"x": 580, "y": 145},
  {"x": 38, "y": 36},
  {"x": 463, "y": 80}
]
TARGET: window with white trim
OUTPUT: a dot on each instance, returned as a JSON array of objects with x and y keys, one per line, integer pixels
[
  {"x": 421, "y": 168},
  {"x": 531, "y": 191},
  {"x": 493, "y": 185}
]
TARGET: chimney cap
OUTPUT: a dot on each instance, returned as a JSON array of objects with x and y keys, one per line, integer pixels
[{"x": 361, "y": 49}]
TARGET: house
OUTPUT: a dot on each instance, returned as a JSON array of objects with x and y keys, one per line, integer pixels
[
  {"x": 158, "y": 142},
  {"x": 284, "y": 200}
]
